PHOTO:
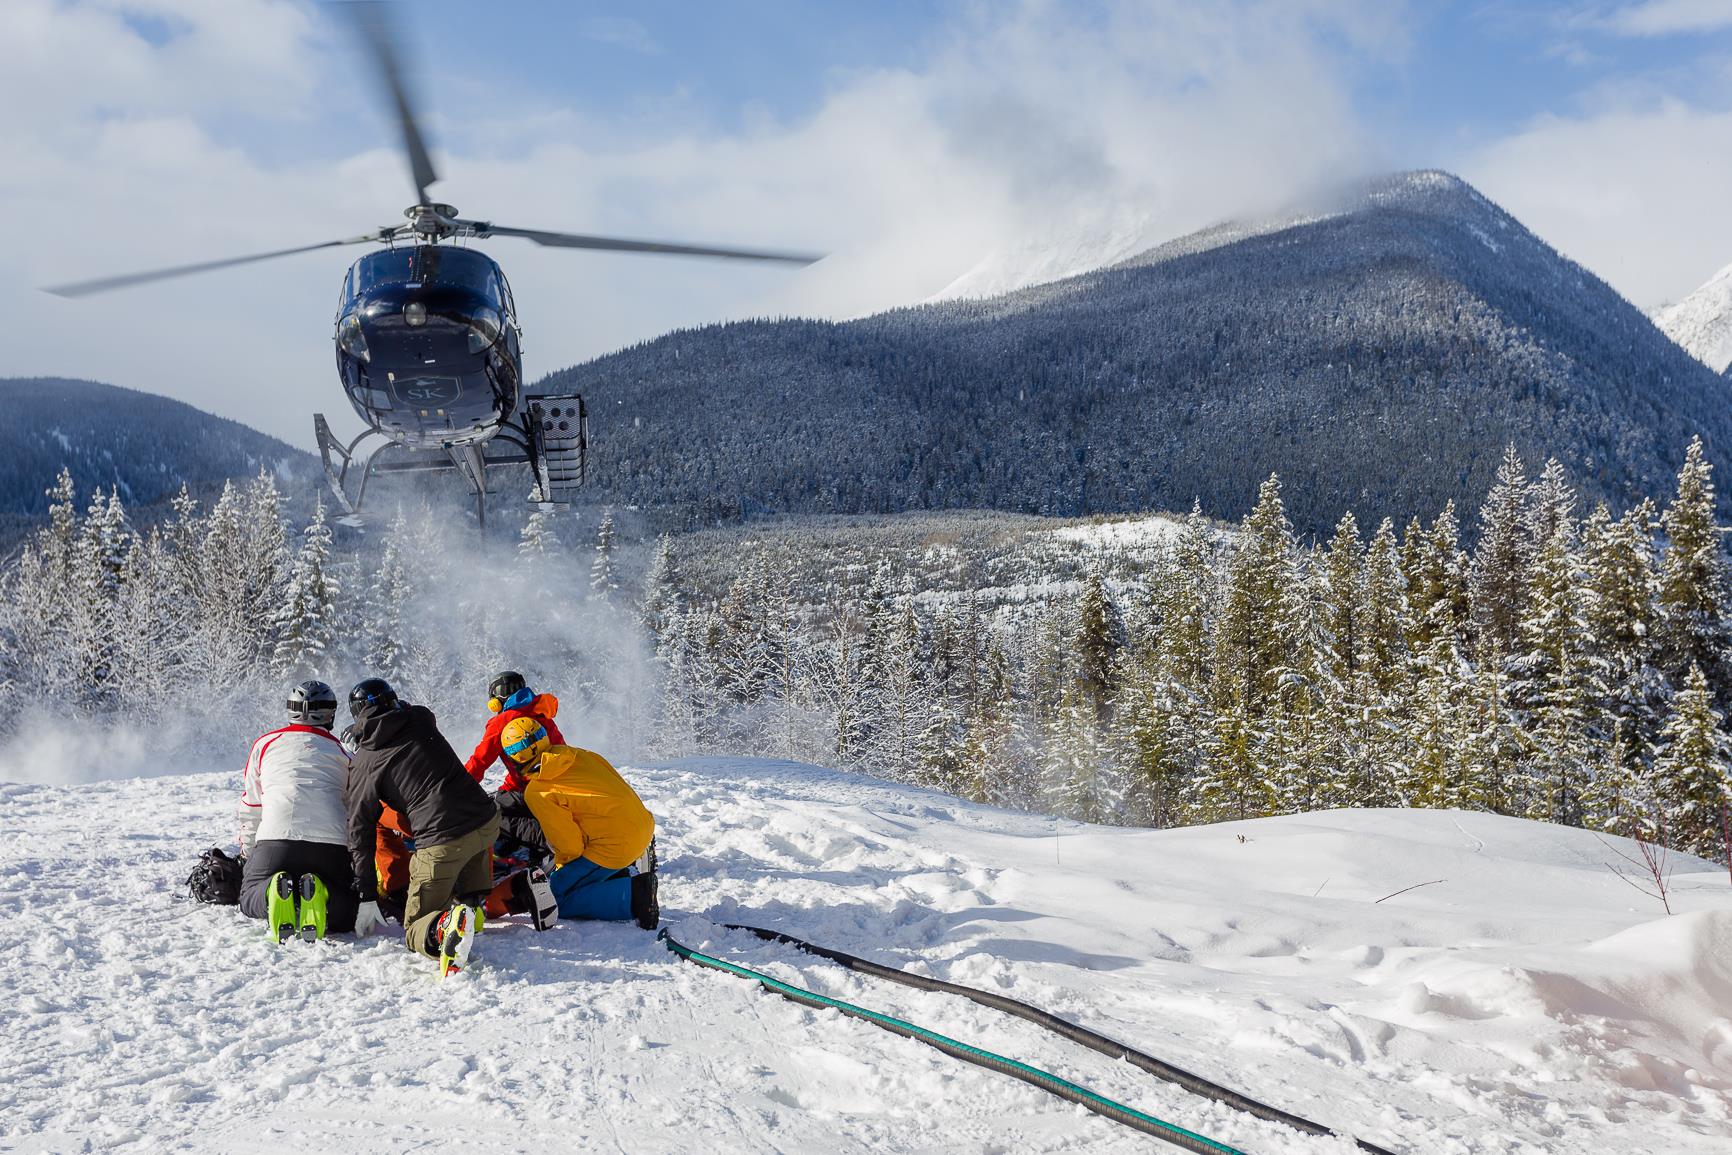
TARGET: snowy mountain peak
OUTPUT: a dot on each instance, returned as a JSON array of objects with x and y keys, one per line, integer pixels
[
  {"x": 1702, "y": 322},
  {"x": 1128, "y": 235},
  {"x": 1073, "y": 247}
]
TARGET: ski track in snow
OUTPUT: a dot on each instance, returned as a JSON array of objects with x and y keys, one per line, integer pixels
[{"x": 1532, "y": 1002}]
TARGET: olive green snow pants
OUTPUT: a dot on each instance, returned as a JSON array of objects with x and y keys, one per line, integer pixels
[{"x": 437, "y": 874}]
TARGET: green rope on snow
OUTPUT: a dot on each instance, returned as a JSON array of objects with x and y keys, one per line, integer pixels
[{"x": 1099, "y": 1104}]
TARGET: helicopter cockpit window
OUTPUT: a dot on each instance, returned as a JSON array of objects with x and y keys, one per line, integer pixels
[{"x": 429, "y": 264}]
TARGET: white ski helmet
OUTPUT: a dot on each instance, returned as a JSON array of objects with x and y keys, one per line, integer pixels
[{"x": 313, "y": 703}]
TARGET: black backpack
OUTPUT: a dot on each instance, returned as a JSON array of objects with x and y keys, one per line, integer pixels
[{"x": 216, "y": 878}]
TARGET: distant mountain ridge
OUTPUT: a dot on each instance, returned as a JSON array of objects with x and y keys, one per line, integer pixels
[
  {"x": 145, "y": 445},
  {"x": 1702, "y": 322},
  {"x": 1378, "y": 358}
]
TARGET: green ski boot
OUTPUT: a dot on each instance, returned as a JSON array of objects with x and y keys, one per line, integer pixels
[
  {"x": 282, "y": 914},
  {"x": 314, "y": 897}
]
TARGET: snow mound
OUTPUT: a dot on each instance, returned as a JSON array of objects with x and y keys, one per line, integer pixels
[
  {"x": 1433, "y": 981},
  {"x": 1702, "y": 322}
]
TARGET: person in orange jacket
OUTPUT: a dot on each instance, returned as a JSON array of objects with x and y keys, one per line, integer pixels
[
  {"x": 510, "y": 698},
  {"x": 392, "y": 846},
  {"x": 601, "y": 833}
]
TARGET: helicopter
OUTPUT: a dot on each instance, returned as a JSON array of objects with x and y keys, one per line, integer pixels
[{"x": 427, "y": 335}]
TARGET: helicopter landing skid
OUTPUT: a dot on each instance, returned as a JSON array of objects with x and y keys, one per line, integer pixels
[{"x": 551, "y": 439}]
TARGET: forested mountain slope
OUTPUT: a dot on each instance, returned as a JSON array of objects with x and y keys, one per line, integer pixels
[
  {"x": 145, "y": 445},
  {"x": 1379, "y": 358}
]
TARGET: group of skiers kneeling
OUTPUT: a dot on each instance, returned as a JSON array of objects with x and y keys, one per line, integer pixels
[{"x": 337, "y": 833}]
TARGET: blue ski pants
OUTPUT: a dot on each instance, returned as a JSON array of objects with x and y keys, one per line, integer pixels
[{"x": 586, "y": 890}]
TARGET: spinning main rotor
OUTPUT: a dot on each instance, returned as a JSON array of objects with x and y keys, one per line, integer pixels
[{"x": 427, "y": 221}]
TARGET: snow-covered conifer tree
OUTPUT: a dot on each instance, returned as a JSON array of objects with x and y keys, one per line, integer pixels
[
  {"x": 1387, "y": 611},
  {"x": 100, "y": 562},
  {"x": 990, "y": 755},
  {"x": 1551, "y": 504},
  {"x": 1437, "y": 593},
  {"x": 603, "y": 578},
  {"x": 1693, "y": 772},
  {"x": 1558, "y": 679},
  {"x": 1098, "y": 639},
  {"x": 390, "y": 605},
  {"x": 1431, "y": 764},
  {"x": 1344, "y": 598},
  {"x": 1622, "y": 578},
  {"x": 264, "y": 563},
  {"x": 1249, "y": 648},
  {"x": 539, "y": 537},
  {"x": 1306, "y": 723},
  {"x": 305, "y": 629},
  {"x": 662, "y": 593},
  {"x": 1694, "y": 600},
  {"x": 744, "y": 661},
  {"x": 901, "y": 700},
  {"x": 1500, "y": 563},
  {"x": 1232, "y": 781},
  {"x": 839, "y": 688}
]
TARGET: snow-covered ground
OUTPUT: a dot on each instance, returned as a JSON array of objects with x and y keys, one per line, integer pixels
[
  {"x": 1121, "y": 533},
  {"x": 1527, "y": 1001}
]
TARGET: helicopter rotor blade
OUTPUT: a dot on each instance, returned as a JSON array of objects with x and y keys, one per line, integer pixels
[
  {"x": 127, "y": 280},
  {"x": 373, "y": 21},
  {"x": 621, "y": 245}
]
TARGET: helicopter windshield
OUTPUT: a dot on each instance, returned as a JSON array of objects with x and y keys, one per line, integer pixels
[{"x": 428, "y": 264}]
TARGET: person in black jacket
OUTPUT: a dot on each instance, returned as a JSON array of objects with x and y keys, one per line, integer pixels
[{"x": 402, "y": 761}]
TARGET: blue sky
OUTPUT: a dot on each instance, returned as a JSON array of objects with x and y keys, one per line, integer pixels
[
  {"x": 1443, "y": 76},
  {"x": 1447, "y": 74},
  {"x": 931, "y": 147}
]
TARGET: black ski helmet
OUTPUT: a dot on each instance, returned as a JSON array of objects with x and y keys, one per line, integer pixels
[
  {"x": 374, "y": 691},
  {"x": 313, "y": 703},
  {"x": 506, "y": 684}
]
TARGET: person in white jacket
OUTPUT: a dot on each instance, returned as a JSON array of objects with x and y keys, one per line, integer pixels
[{"x": 294, "y": 823}]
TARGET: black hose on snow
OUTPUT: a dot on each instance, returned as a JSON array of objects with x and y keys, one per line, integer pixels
[
  {"x": 1194, "y": 1083},
  {"x": 1045, "y": 1080}
]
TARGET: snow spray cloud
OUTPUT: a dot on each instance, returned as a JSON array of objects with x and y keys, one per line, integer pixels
[
  {"x": 445, "y": 609},
  {"x": 168, "y": 674}
]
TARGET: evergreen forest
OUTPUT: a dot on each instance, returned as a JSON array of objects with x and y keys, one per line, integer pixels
[{"x": 1573, "y": 666}]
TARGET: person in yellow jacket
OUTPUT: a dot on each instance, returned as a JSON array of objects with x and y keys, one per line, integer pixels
[{"x": 599, "y": 830}]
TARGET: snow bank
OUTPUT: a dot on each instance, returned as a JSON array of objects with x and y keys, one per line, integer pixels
[{"x": 1515, "y": 997}]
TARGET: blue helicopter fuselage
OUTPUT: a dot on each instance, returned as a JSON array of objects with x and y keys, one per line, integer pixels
[{"x": 427, "y": 345}]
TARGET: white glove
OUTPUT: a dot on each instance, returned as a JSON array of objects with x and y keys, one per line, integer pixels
[{"x": 367, "y": 917}]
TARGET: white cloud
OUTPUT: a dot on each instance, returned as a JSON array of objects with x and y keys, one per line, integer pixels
[
  {"x": 1029, "y": 123},
  {"x": 1667, "y": 17},
  {"x": 621, "y": 33},
  {"x": 1636, "y": 192}
]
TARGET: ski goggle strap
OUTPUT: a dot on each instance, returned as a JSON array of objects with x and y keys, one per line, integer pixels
[{"x": 526, "y": 742}]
